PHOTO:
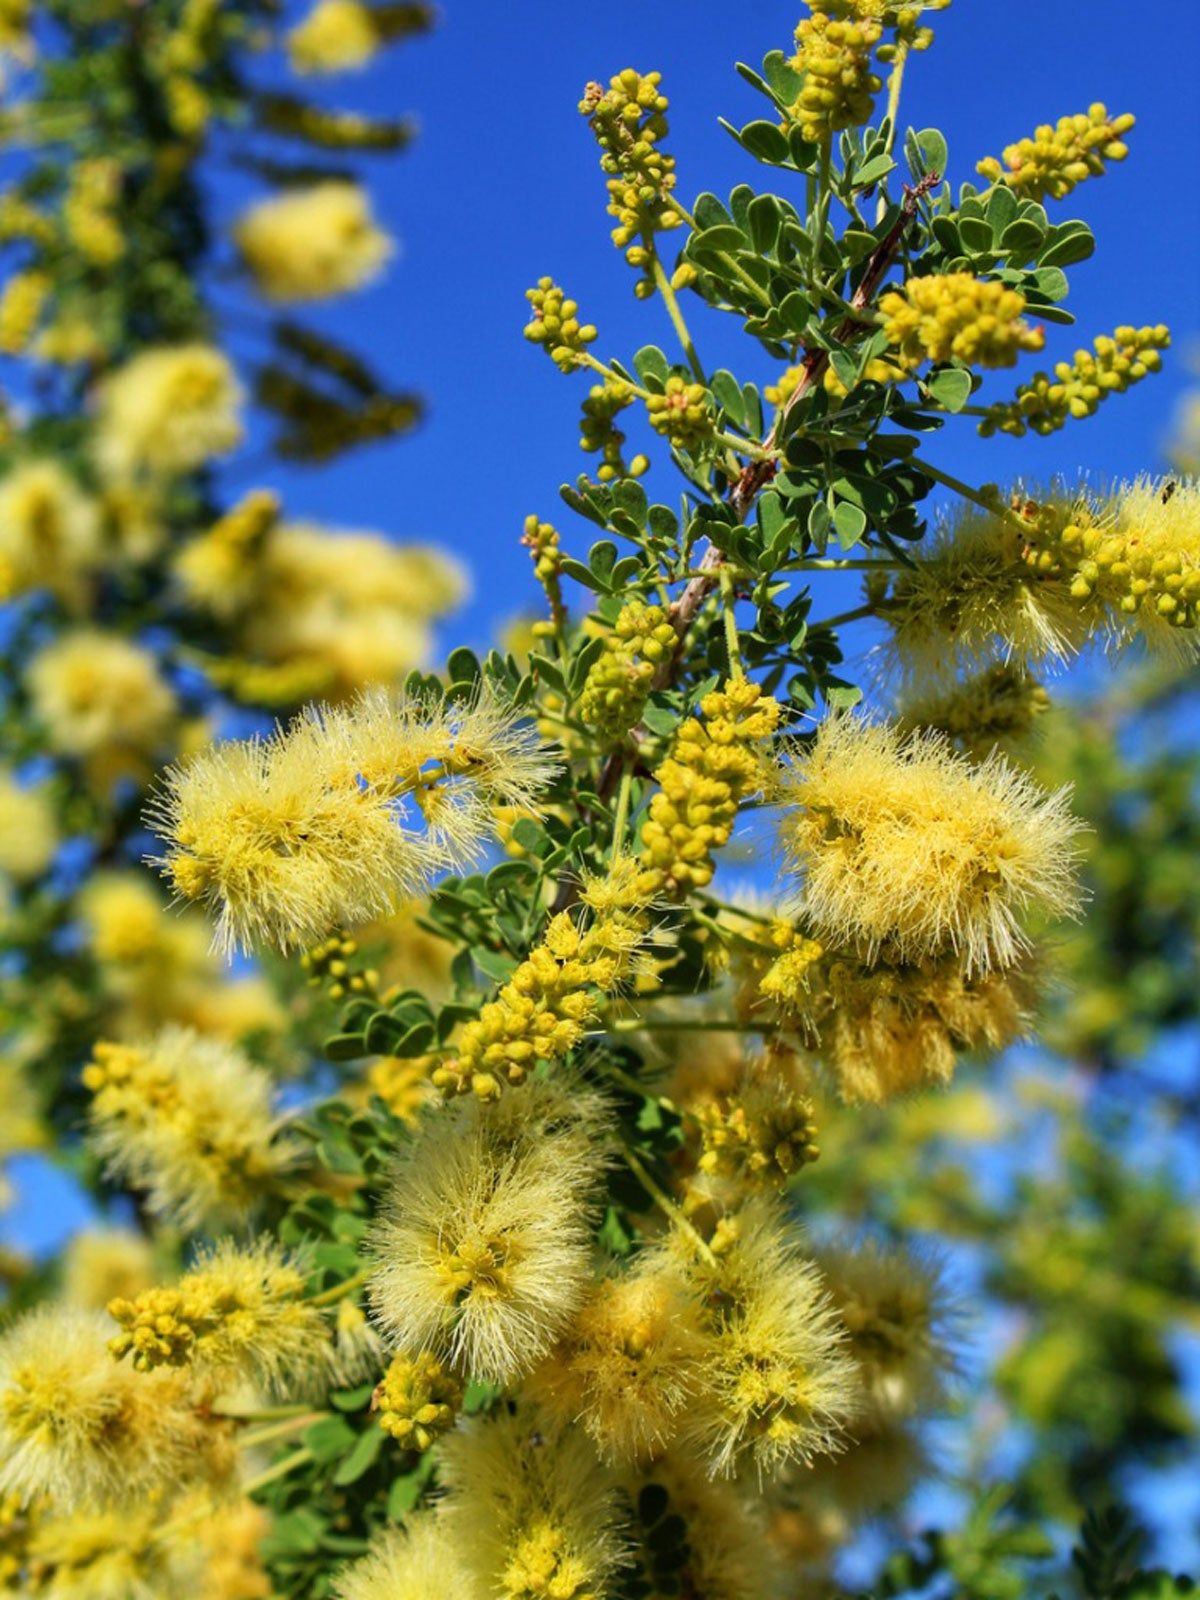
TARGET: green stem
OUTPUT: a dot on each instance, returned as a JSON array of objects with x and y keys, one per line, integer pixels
[
  {"x": 734, "y": 269},
  {"x": 685, "y": 1025},
  {"x": 279, "y": 1470},
  {"x": 895, "y": 82},
  {"x": 729, "y": 608},
  {"x": 824, "y": 195},
  {"x": 746, "y": 447},
  {"x": 991, "y": 503},
  {"x": 279, "y": 1430},
  {"x": 858, "y": 613},
  {"x": 628, "y": 1081},
  {"x": 330, "y": 1297},
  {"x": 674, "y": 311},
  {"x": 667, "y": 1206},
  {"x": 262, "y": 1413},
  {"x": 621, "y": 815}
]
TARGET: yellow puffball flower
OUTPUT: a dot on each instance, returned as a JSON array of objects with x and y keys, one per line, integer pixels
[
  {"x": 49, "y": 531},
  {"x": 98, "y": 695},
  {"x": 167, "y": 411},
  {"x": 532, "y": 1509},
  {"x": 239, "y": 1312},
  {"x": 188, "y": 1120},
  {"x": 483, "y": 1248},
  {"x": 312, "y": 244},
  {"x": 344, "y": 815},
  {"x": 28, "y": 830},
  {"x": 903, "y": 847},
  {"x": 414, "y": 1562},
  {"x": 103, "y": 1264},
  {"x": 336, "y": 36},
  {"x": 78, "y": 1427}
]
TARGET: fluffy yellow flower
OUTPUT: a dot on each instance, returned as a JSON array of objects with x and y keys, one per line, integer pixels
[
  {"x": 776, "y": 1384},
  {"x": 343, "y": 816},
  {"x": 28, "y": 829},
  {"x": 729, "y": 1555},
  {"x": 312, "y": 244},
  {"x": 49, "y": 531},
  {"x": 77, "y": 1427},
  {"x": 996, "y": 709},
  {"x": 897, "y": 1314},
  {"x": 352, "y": 603},
  {"x": 101, "y": 697},
  {"x": 130, "y": 1554},
  {"x": 414, "y": 1562},
  {"x": 628, "y": 1364},
  {"x": 904, "y": 847},
  {"x": 168, "y": 410},
  {"x": 533, "y": 1512},
  {"x": 140, "y": 945},
  {"x": 239, "y": 1312},
  {"x": 336, "y": 36},
  {"x": 103, "y": 1264},
  {"x": 483, "y": 1251},
  {"x": 189, "y": 1121}
]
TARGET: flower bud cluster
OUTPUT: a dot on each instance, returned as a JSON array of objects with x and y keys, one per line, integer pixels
[
  {"x": 1078, "y": 387},
  {"x": 21, "y": 304},
  {"x": 88, "y": 211},
  {"x": 599, "y": 434},
  {"x": 418, "y": 1400},
  {"x": 546, "y": 1007},
  {"x": 328, "y": 965},
  {"x": 617, "y": 686},
  {"x": 997, "y": 708},
  {"x": 714, "y": 765},
  {"x": 957, "y": 317},
  {"x": 542, "y": 539},
  {"x": 833, "y": 51},
  {"x": 762, "y": 1133},
  {"x": 682, "y": 413},
  {"x": 629, "y": 119},
  {"x": 1116, "y": 565},
  {"x": 1058, "y": 158},
  {"x": 555, "y": 325}
]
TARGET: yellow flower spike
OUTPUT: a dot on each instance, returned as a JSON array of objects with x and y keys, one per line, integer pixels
[
  {"x": 714, "y": 765},
  {"x": 1077, "y": 388},
  {"x": 616, "y": 689},
  {"x": 335, "y": 36},
  {"x": 168, "y": 410},
  {"x": 629, "y": 121},
  {"x": 1056, "y": 159}
]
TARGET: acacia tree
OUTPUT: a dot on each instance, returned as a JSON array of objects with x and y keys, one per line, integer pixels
[{"x": 526, "y": 1306}]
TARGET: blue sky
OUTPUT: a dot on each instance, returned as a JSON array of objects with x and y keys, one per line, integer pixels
[{"x": 503, "y": 186}]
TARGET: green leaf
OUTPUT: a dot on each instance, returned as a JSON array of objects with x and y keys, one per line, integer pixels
[
  {"x": 950, "y": 387},
  {"x": 462, "y": 666},
  {"x": 361, "y": 1458},
  {"x": 927, "y": 152},
  {"x": 329, "y": 1438},
  {"x": 765, "y": 141},
  {"x": 1052, "y": 282},
  {"x": 1021, "y": 238},
  {"x": 850, "y": 523},
  {"x": 406, "y": 1491},
  {"x": 651, "y": 364},
  {"x": 344, "y": 1047},
  {"x": 878, "y": 167},
  {"x": 352, "y": 1399},
  {"x": 841, "y": 696},
  {"x": 529, "y": 834},
  {"x": 1069, "y": 243},
  {"x": 725, "y": 238},
  {"x": 785, "y": 81}
]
